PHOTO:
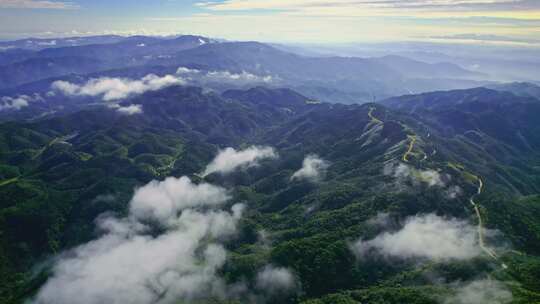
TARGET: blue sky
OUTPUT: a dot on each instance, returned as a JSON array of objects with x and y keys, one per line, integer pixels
[{"x": 487, "y": 21}]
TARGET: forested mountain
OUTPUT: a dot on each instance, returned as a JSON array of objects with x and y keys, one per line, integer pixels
[
  {"x": 524, "y": 89},
  {"x": 372, "y": 203}
]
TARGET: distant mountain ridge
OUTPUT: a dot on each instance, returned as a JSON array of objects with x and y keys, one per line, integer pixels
[
  {"x": 523, "y": 89},
  {"x": 332, "y": 79}
]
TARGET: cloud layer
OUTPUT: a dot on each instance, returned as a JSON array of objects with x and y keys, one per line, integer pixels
[
  {"x": 111, "y": 89},
  {"x": 229, "y": 159},
  {"x": 373, "y": 6},
  {"x": 313, "y": 169},
  {"x": 116, "y": 88},
  {"x": 426, "y": 236}
]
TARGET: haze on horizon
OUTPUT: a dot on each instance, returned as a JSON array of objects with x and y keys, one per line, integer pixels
[{"x": 505, "y": 22}]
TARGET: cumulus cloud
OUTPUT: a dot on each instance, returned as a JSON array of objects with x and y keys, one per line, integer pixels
[
  {"x": 403, "y": 173},
  {"x": 162, "y": 201},
  {"x": 229, "y": 159},
  {"x": 168, "y": 248},
  {"x": 19, "y": 102},
  {"x": 223, "y": 76},
  {"x": 313, "y": 168},
  {"x": 426, "y": 236},
  {"x": 130, "y": 264},
  {"x": 275, "y": 280},
  {"x": 116, "y": 88},
  {"x": 486, "y": 291}
]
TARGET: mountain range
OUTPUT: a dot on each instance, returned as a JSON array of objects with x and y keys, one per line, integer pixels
[
  {"x": 56, "y": 172},
  {"x": 331, "y": 79},
  {"x": 192, "y": 170}
]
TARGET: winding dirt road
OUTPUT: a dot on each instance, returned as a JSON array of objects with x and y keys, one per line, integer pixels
[
  {"x": 373, "y": 118},
  {"x": 481, "y": 239},
  {"x": 411, "y": 147}
]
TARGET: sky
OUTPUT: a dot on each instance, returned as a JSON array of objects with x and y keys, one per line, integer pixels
[{"x": 302, "y": 21}]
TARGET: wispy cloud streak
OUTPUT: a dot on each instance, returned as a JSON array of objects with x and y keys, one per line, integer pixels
[{"x": 37, "y": 4}]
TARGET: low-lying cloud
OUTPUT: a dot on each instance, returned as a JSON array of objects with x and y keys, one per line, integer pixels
[
  {"x": 162, "y": 201},
  {"x": 168, "y": 248},
  {"x": 111, "y": 89},
  {"x": 19, "y": 102},
  {"x": 223, "y": 76},
  {"x": 427, "y": 237},
  {"x": 403, "y": 173},
  {"x": 129, "y": 264},
  {"x": 245, "y": 77},
  {"x": 453, "y": 192},
  {"x": 275, "y": 280},
  {"x": 116, "y": 88},
  {"x": 486, "y": 291},
  {"x": 313, "y": 169},
  {"x": 129, "y": 110},
  {"x": 229, "y": 159}
]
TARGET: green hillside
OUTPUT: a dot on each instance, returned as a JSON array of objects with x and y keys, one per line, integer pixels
[{"x": 58, "y": 175}]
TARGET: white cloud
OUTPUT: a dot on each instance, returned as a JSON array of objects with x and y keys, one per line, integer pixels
[
  {"x": 432, "y": 178},
  {"x": 184, "y": 70},
  {"x": 485, "y": 291},
  {"x": 47, "y": 43},
  {"x": 162, "y": 201},
  {"x": 223, "y": 76},
  {"x": 244, "y": 77},
  {"x": 130, "y": 110},
  {"x": 313, "y": 168},
  {"x": 382, "y": 219},
  {"x": 229, "y": 159},
  {"x": 130, "y": 264},
  {"x": 117, "y": 88},
  {"x": 453, "y": 192},
  {"x": 275, "y": 280},
  {"x": 426, "y": 236},
  {"x": 403, "y": 173},
  {"x": 111, "y": 89},
  {"x": 104, "y": 198},
  {"x": 19, "y": 102},
  {"x": 37, "y": 4}
]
